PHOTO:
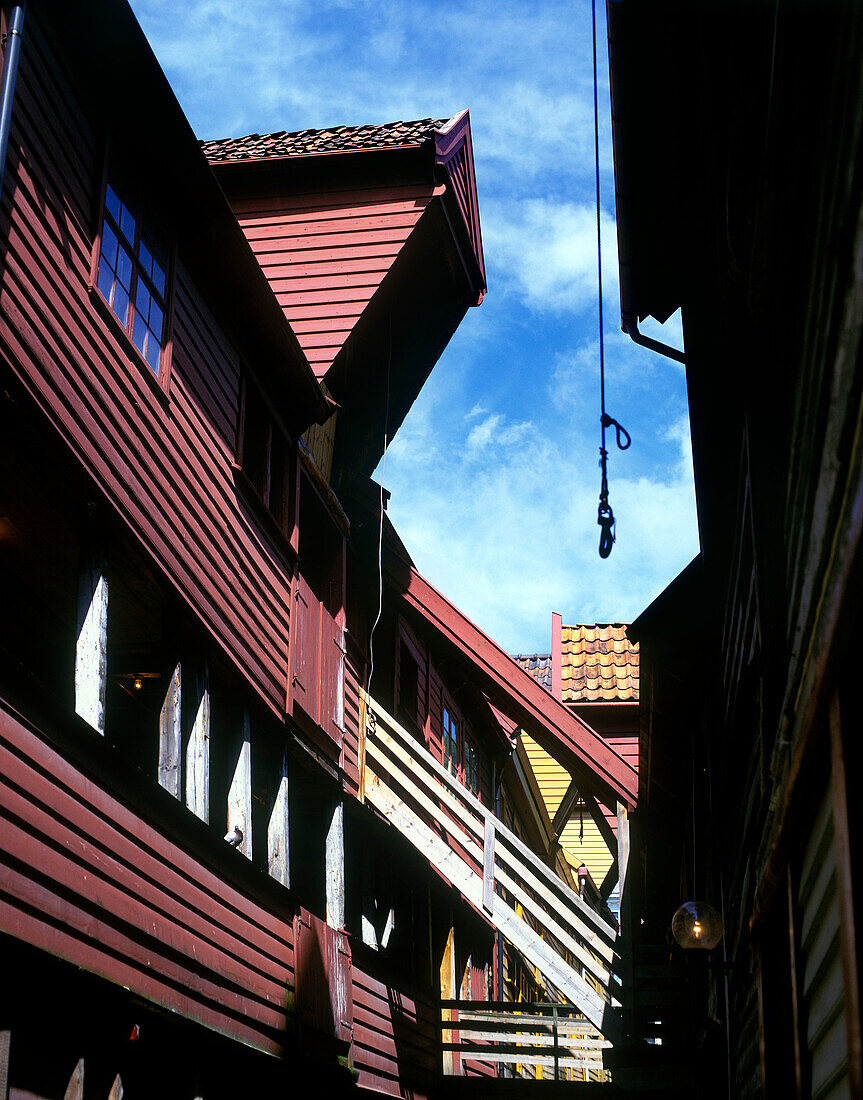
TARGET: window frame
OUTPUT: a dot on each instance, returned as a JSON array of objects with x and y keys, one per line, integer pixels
[
  {"x": 286, "y": 519},
  {"x": 114, "y": 173}
]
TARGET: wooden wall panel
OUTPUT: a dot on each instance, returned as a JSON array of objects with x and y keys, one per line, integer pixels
[
  {"x": 87, "y": 879},
  {"x": 325, "y": 258},
  {"x": 396, "y": 1038},
  {"x": 165, "y": 465},
  {"x": 352, "y": 723}
]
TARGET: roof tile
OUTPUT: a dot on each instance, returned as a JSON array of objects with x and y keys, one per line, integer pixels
[
  {"x": 333, "y": 140},
  {"x": 599, "y": 663},
  {"x": 538, "y": 665}
]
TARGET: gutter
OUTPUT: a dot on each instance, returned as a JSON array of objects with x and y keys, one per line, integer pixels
[
  {"x": 629, "y": 324},
  {"x": 12, "y": 47}
]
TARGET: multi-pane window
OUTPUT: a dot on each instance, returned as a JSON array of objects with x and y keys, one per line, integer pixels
[
  {"x": 133, "y": 273},
  {"x": 471, "y": 766},
  {"x": 450, "y": 741}
]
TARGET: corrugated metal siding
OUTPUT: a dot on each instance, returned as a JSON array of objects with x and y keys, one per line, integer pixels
[
  {"x": 83, "y": 877},
  {"x": 166, "y": 470},
  {"x": 396, "y": 1038},
  {"x": 823, "y": 985},
  {"x": 325, "y": 258}
]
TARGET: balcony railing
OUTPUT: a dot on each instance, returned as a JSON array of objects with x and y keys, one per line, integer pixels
[
  {"x": 551, "y": 1040},
  {"x": 569, "y": 943}
]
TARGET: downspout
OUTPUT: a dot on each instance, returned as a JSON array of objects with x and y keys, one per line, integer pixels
[
  {"x": 629, "y": 324},
  {"x": 12, "y": 47}
]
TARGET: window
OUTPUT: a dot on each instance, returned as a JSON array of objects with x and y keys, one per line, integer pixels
[
  {"x": 132, "y": 272},
  {"x": 266, "y": 458},
  {"x": 471, "y": 766},
  {"x": 451, "y": 753}
]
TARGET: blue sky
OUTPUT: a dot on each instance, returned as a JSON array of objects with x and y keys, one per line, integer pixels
[{"x": 494, "y": 474}]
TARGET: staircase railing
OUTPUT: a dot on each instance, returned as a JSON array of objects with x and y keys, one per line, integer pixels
[
  {"x": 553, "y": 1038},
  {"x": 571, "y": 944}
]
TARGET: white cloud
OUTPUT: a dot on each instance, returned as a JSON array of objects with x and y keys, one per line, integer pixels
[{"x": 545, "y": 251}]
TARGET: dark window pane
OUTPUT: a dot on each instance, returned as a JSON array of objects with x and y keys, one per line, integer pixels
[
  {"x": 113, "y": 203},
  {"x": 139, "y": 333},
  {"x": 127, "y": 223},
  {"x": 124, "y": 268},
  {"x": 106, "y": 279},
  {"x": 145, "y": 256},
  {"x": 120, "y": 305},
  {"x": 159, "y": 277},
  {"x": 153, "y": 351},
  {"x": 142, "y": 300},
  {"x": 109, "y": 245},
  {"x": 156, "y": 321}
]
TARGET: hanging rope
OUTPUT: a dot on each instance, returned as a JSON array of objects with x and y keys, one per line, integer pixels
[{"x": 604, "y": 516}]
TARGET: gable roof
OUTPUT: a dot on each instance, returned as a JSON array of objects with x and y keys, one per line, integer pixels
[
  {"x": 599, "y": 663},
  {"x": 335, "y": 139}
]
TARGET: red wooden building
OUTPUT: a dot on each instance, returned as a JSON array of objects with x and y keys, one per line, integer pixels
[{"x": 246, "y": 833}]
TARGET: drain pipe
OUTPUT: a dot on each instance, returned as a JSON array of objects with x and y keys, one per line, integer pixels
[
  {"x": 629, "y": 324},
  {"x": 12, "y": 48}
]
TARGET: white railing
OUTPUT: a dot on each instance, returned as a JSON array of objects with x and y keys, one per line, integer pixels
[
  {"x": 553, "y": 1037},
  {"x": 546, "y": 921}
]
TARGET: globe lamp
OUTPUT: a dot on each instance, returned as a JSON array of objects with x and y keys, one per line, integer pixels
[{"x": 696, "y": 924}]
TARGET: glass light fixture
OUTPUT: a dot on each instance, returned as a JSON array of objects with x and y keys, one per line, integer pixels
[{"x": 696, "y": 924}]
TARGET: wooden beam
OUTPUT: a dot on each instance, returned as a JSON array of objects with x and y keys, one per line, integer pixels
[
  {"x": 612, "y": 877},
  {"x": 578, "y": 748},
  {"x": 335, "y": 867},
  {"x": 198, "y": 753},
  {"x": 91, "y": 650},
  {"x": 488, "y": 866},
  {"x": 75, "y": 1088},
  {"x": 565, "y": 809},
  {"x": 240, "y": 791},
  {"x": 622, "y": 844},
  {"x": 278, "y": 831},
  {"x": 845, "y": 898},
  {"x": 116, "y": 1091},
  {"x": 601, "y": 822},
  {"x": 5, "y": 1045},
  {"x": 170, "y": 736}
]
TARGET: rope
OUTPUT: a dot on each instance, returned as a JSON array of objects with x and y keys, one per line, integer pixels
[{"x": 604, "y": 515}]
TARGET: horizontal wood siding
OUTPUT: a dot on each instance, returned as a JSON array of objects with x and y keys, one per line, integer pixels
[
  {"x": 396, "y": 1038},
  {"x": 164, "y": 465},
  {"x": 325, "y": 258},
  {"x": 85, "y": 878}
]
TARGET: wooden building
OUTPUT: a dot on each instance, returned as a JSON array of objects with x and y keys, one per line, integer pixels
[
  {"x": 250, "y": 781},
  {"x": 737, "y": 136}
]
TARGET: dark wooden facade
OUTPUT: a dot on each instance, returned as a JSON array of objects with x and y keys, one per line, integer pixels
[{"x": 750, "y": 222}]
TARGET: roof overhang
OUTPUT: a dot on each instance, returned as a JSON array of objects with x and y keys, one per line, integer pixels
[
  {"x": 108, "y": 49},
  {"x": 593, "y": 763}
]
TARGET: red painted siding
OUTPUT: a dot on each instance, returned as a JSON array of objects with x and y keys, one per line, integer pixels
[
  {"x": 85, "y": 878},
  {"x": 325, "y": 258},
  {"x": 166, "y": 467},
  {"x": 396, "y": 1038}
]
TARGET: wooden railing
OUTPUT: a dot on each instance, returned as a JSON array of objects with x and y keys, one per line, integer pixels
[
  {"x": 553, "y": 1038},
  {"x": 571, "y": 945}
]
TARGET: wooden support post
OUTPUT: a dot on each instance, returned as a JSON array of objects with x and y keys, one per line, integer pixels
[
  {"x": 335, "y": 867},
  {"x": 488, "y": 866},
  {"x": 361, "y": 752},
  {"x": 170, "y": 736},
  {"x": 278, "y": 831},
  {"x": 198, "y": 753},
  {"x": 601, "y": 822},
  {"x": 5, "y": 1045},
  {"x": 75, "y": 1088},
  {"x": 447, "y": 993},
  {"x": 116, "y": 1092},
  {"x": 622, "y": 844},
  {"x": 565, "y": 809},
  {"x": 845, "y": 898},
  {"x": 240, "y": 791},
  {"x": 91, "y": 651}
]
